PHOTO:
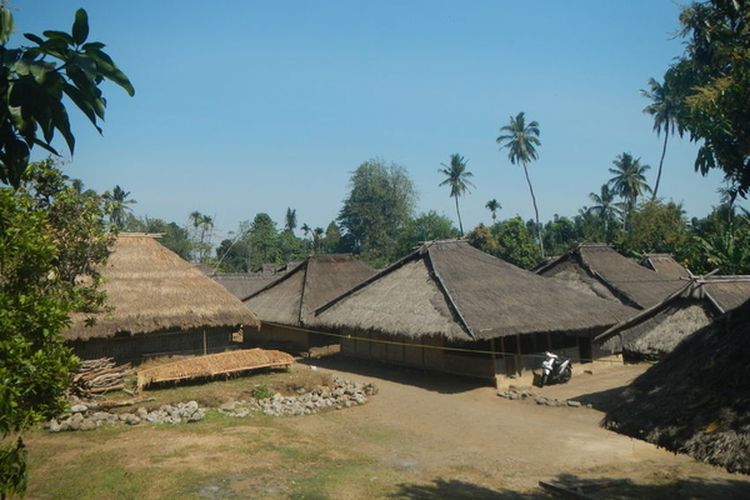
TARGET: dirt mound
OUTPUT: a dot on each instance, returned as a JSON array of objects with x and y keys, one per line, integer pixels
[{"x": 697, "y": 399}]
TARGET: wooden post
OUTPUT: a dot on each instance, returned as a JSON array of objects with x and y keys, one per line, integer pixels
[
  {"x": 549, "y": 341},
  {"x": 494, "y": 360},
  {"x": 519, "y": 367},
  {"x": 205, "y": 344},
  {"x": 505, "y": 355}
]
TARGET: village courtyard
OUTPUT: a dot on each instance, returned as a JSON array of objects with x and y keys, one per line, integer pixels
[{"x": 423, "y": 435}]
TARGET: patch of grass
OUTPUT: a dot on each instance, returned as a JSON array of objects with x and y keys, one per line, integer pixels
[{"x": 262, "y": 392}]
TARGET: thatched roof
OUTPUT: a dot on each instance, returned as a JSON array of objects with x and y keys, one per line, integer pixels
[
  {"x": 150, "y": 288},
  {"x": 243, "y": 284},
  {"x": 292, "y": 298},
  {"x": 666, "y": 265},
  {"x": 596, "y": 266},
  {"x": 697, "y": 399},
  {"x": 727, "y": 292},
  {"x": 451, "y": 289}
]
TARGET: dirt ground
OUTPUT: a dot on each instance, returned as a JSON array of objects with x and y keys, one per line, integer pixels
[{"x": 423, "y": 436}]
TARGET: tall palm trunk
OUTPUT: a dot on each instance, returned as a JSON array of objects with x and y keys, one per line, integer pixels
[
  {"x": 458, "y": 212},
  {"x": 536, "y": 210},
  {"x": 661, "y": 162}
]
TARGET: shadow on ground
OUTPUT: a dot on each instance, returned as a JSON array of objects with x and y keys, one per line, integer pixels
[
  {"x": 432, "y": 381},
  {"x": 603, "y": 400},
  {"x": 602, "y": 487}
]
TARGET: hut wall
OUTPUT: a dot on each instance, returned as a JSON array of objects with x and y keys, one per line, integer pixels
[
  {"x": 137, "y": 348},
  {"x": 279, "y": 337}
]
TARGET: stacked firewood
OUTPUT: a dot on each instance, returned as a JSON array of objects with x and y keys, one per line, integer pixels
[{"x": 95, "y": 376}]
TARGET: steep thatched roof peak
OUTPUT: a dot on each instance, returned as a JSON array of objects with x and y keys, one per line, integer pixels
[
  {"x": 150, "y": 288},
  {"x": 292, "y": 298},
  {"x": 629, "y": 281},
  {"x": 450, "y": 288},
  {"x": 666, "y": 265}
]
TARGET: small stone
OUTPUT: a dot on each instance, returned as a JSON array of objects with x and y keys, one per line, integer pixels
[
  {"x": 228, "y": 406},
  {"x": 551, "y": 402},
  {"x": 589, "y": 405},
  {"x": 141, "y": 412},
  {"x": 54, "y": 426},
  {"x": 88, "y": 425},
  {"x": 574, "y": 404},
  {"x": 79, "y": 408}
]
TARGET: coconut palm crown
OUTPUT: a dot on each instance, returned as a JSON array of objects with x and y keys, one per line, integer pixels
[
  {"x": 521, "y": 141},
  {"x": 663, "y": 109},
  {"x": 457, "y": 177},
  {"x": 493, "y": 206}
]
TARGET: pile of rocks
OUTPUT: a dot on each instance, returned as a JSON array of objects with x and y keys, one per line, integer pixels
[
  {"x": 343, "y": 394},
  {"x": 525, "y": 392},
  {"x": 84, "y": 417}
]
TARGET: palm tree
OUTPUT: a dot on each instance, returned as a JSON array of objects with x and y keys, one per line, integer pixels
[
  {"x": 305, "y": 229},
  {"x": 605, "y": 207},
  {"x": 117, "y": 203},
  {"x": 664, "y": 109},
  {"x": 521, "y": 141},
  {"x": 629, "y": 181},
  {"x": 291, "y": 219},
  {"x": 493, "y": 206},
  {"x": 457, "y": 177},
  {"x": 317, "y": 238}
]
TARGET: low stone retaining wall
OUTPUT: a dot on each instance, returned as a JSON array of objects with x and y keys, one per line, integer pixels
[{"x": 525, "y": 392}]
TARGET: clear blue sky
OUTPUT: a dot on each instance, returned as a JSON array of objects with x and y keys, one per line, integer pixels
[{"x": 243, "y": 107}]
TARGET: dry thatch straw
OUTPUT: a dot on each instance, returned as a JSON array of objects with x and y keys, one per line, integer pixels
[
  {"x": 666, "y": 265},
  {"x": 450, "y": 289},
  {"x": 697, "y": 400},
  {"x": 210, "y": 365},
  {"x": 150, "y": 288},
  {"x": 657, "y": 330},
  {"x": 608, "y": 274},
  {"x": 293, "y": 298}
]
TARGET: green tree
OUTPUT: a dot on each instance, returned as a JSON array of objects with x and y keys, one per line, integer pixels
[
  {"x": 35, "y": 79},
  {"x": 663, "y": 109},
  {"x": 493, "y": 206},
  {"x": 117, "y": 206},
  {"x": 332, "y": 242},
  {"x": 290, "y": 220},
  {"x": 560, "y": 234},
  {"x": 629, "y": 180},
  {"x": 606, "y": 209},
  {"x": 380, "y": 203},
  {"x": 173, "y": 236},
  {"x": 53, "y": 240},
  {"x": 202, "y": 231},
  {"x": 457, "y": 177},
  {"x": 656, "y": 227},
  {"x": 318, "y": 234},
  {"x": 509, "y": 240},
  {"x": 306, "y": 229},
  {"x": 427, "y": 226},
  {"x": 263, "y": 242},
  {"x": 711, "y": 84},
  {"x": 720, "y": 240},
  {"x": 521, "y": 140}
]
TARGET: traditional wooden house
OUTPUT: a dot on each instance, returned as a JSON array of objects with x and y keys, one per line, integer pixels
[
  {"x": 656, "y": 331},
  {"x": 493, "y": 317},
  {"x": 601, "y": 271},
  {"x": 157, "y": 304},
  {"x": 286, "y": 305}
]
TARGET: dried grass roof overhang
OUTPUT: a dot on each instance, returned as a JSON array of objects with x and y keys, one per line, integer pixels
[
  {"x": 451, "y": 289},
  {"x": 720, "y": 293},
  {"x": 697, "y": 399},
  {"x": 150, "y": 288},
  {"x": 633, "y": 283},
  {"x": 293, "y": 298},
  {"x": 666, "y": 265}
]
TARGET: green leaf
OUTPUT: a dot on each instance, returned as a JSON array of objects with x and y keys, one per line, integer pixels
[
  {"x": 39, "y": 70},
  {"x": 37, "y": 40},
  {"x": 81, "y": 27},
  {"x": 93, "y": 45},
  {"x": 59, "y": 35},
  {"x": 46, "y": 146},
  {"x": 62, "y": 123},
  {"x": 82, "y": 103},
  {"x": 6, "y": 24}
]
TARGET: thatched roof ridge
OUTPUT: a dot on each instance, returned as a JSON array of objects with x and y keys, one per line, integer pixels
[
  {"x": 666, "y": 265},
  {"x": 631, "y": 282},
  {"x": 697, "y": 399},
  {"x": 482, "y": 296},
  {"x": 150, "y": 288},
  {"x": 720, "y": 293},
  {"x": 292, "y": 298}
]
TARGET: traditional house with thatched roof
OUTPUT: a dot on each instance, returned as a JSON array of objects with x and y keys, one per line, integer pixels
[
  {"x": 666, "y": 265},
  {"x": 697, "y": 399},
  {"x": 157, "y": 304},
  {"x": 448, "y": 294},
  {"x": 286, "y": 305},
  {"x": 656, "y": 331},
  {"x": 242, "y": 285},
  {"x": 601, "y": 271}
]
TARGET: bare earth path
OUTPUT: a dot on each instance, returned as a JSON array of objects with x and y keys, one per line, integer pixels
[
  {"x": 423, "y": 436},
  {"x": 443, "y": 427}
]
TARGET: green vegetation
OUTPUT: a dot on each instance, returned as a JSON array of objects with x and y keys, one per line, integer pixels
[
  {"x": 521, "y": 141},
  {"x": 457, "y": 177}
]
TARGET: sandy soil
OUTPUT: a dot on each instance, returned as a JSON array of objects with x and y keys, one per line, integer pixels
[{"x": 441, "y": 426}]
